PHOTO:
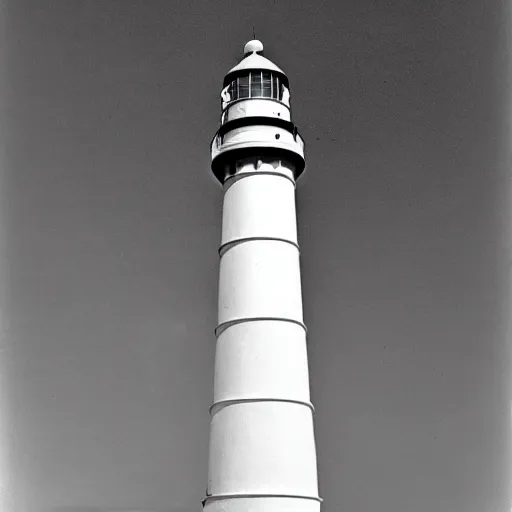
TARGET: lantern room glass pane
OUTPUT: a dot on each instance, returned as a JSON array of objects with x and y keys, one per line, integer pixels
[
  {"x": 275, "y": 88},
  {"x": 266, "y": 84},
  {"x": 243, "y": 87},
  {"x": 256, "y": 91},
  {"x": 233, "y": 91}
]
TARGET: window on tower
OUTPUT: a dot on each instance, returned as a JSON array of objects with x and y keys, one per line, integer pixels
[
  {"x": 256, "y": 89},
  {"x": 276, "y": 93},
  {"x": 266, "y": 81},
  {"x": 233, "y": 91},
  {"x": 243, "y": 87}
]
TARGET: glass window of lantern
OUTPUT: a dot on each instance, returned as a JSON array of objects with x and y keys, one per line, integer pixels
[
  {"x": 243, "y": 87},
  {"x": 275, "y": 88},
  {"x": 266, "y": 84},
  {"x": 256, "y": 89},
  {"x": 233, "y": 90},
  {"x": 257, "y": 84}
]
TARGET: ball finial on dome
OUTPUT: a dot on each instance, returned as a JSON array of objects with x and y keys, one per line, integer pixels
[{"x": 253, "y": 46}]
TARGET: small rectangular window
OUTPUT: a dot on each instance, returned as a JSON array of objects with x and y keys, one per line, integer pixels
[
  {"x": 233, "y": 91},
  {"x": 275, "y": 87},
  {"x": 243, "y": 87},
  {"x": 266, "y": 84},
  {"x": 256, "y": 84}
]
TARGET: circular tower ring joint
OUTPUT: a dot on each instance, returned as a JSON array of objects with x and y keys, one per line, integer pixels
[
  {"x": 214, "y": 497},
  {"x": 229, "y": 323},
  {"x": 232, "y": 243},
  {"x": 234, "y": 401}
]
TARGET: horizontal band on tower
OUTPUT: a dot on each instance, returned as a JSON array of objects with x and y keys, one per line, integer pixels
[
  {"x": 224, "y": 325},
  {"x": 225, "y": 247},
  {"x": 235, "y": 401},
  {"x": 248, "y": 121},
  {"x": 236, "y": 177},
  {"x": 213, "y": 497}
]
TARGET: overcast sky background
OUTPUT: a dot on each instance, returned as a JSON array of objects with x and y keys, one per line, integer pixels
[{"x": 110, "y": 223}]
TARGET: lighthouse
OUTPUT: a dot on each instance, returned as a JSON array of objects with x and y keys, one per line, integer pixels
[{"x": 262, "y": 454}]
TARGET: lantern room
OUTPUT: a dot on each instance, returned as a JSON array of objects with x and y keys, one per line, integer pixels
[{"x": 255, "y": 84}]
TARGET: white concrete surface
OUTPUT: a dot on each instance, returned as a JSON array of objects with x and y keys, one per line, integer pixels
[
  {"x": 262, "y": 359},
  {"x": 243, "y": 216}
]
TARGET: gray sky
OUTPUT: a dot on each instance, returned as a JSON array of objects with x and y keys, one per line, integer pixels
[{"x": 111, "y": 223}]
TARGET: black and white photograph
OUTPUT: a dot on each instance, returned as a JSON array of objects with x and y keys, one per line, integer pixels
[{"x": 255, "y": 256}]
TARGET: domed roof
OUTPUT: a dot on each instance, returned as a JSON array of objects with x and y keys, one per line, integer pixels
[{"x": 253, "y": 60}]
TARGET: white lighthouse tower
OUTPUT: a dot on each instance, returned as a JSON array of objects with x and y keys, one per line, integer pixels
[{"x": 262, "y": 446}]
